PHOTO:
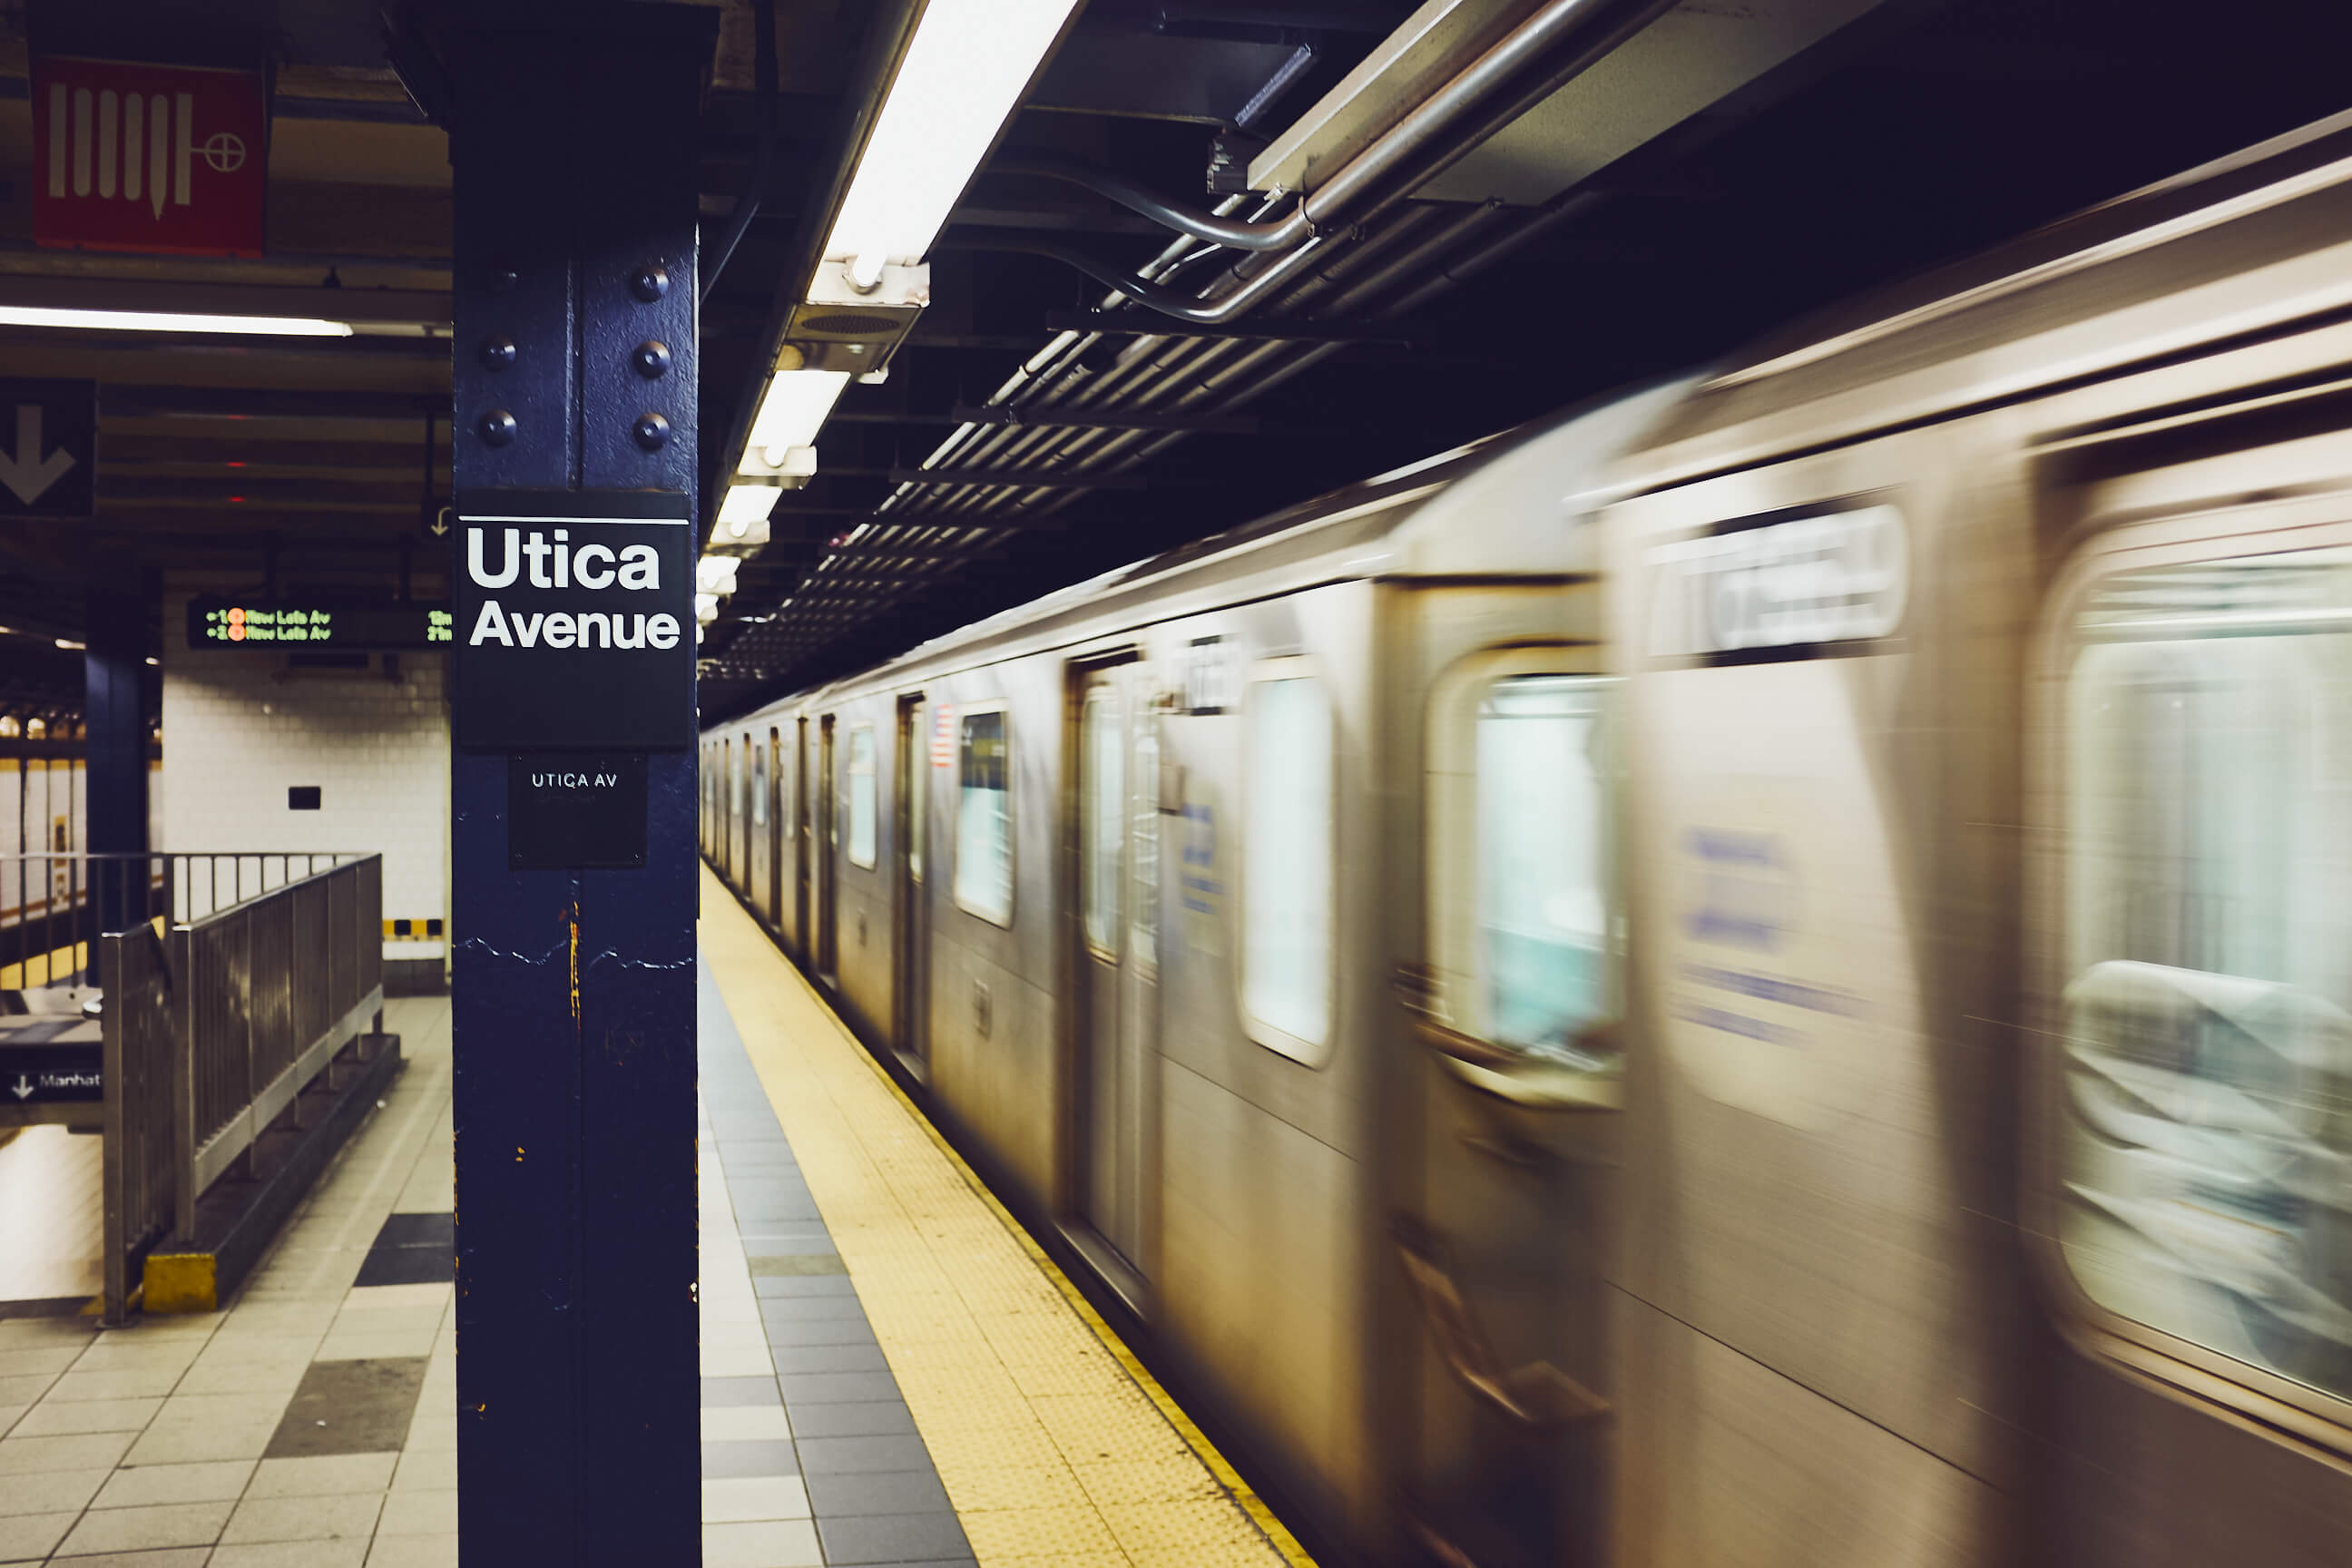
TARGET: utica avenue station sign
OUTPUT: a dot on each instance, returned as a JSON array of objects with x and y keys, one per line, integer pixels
[{"x": 574, "y": 619}]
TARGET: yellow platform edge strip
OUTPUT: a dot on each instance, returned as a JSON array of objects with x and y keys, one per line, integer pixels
[{"x": 1194, "y": 1438}]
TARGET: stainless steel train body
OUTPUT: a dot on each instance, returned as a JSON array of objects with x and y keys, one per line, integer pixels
[
  {"x": 1759, "y": 976},
  {"x": 1986, "y": 1161},
  {"x": 1158, "y": 999}
]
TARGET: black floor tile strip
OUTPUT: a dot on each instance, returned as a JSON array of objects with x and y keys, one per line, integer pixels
[
  {"x": 874, "y": 1492},
  {"x": 350, "y": 1407},
  {"x": 412, "y": 1249}
]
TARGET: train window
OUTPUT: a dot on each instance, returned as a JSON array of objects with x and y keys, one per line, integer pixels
[
  {"x": 1286, "y": 860},
  {"x": 1522, "y": 894},
  {"x": 1144, "y": 929},
  {"x": 916, "y": 764},
  {"x": 759, "y": 785},
  {"x": 983, "y": 847},
  {"x": 861, "y": 796},
  {"x": 2207, "y": 956},
  {"x": 783, "y": 777},
  {"x": 1102, "y": 816},
  {"x": 1543, "y": 888}
]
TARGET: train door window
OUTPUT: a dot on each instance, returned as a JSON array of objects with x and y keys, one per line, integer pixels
[
  {"x": 2204, "y": 973},
  {"x": 783, "y": 765},
  {"x": 759, "y": 783},
  {"x": 1521, "y": 889},
  {"x": 861, "y": 796},
  {"x": 1143, "y": 927},
  {"x": 917, "y": 766},
  {"x": 1286, "y": 859},
  {"x": 983, "y": 848},
  {"x": 1542, "y": 904},
  {"x": 1102, "y": 816}
]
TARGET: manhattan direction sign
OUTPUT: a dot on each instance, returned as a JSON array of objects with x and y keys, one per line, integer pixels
[{"x": 573, "y": 612}]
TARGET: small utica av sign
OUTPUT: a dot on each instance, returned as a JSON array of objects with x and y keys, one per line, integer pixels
[
  {"x": 574, "y": 620},
  {"x": 575, "y": 811}
]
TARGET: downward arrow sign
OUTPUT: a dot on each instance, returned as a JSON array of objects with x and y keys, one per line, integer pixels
[
  {"x": 23, "y": 1086},
  {"x": 28, "y": 473}
]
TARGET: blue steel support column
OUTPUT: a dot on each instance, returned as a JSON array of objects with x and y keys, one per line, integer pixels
[
  {"x": 114, "y": 726},
  {"x": 573, "y": 147}
]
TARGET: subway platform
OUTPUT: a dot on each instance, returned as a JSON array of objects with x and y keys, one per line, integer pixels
[{"x": 892, "y": 1372}]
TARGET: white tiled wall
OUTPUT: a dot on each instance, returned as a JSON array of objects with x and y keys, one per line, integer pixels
[{"x": 240, "y": 728}]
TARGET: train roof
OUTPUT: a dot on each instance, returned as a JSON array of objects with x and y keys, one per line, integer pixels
[
  {"x": 2243, "y": 242},
  {"x": 1505, "y": 504}
]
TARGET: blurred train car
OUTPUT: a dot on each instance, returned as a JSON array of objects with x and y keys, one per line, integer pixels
[
  {"x": 1849, "y": 1067},
  {"x": 1120, "y": 878},
  {"x": 1986, "y": 1182}
]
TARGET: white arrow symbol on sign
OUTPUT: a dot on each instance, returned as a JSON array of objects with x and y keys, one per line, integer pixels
[
  {"x": 440, "y": 523},
  {"x": 28, "y": 473},
  {"x": 23, "y": 1086}
]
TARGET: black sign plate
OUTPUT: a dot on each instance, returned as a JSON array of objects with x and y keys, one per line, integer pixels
[
  {"x": 36, "y": 1068},
  {"x": 575, "y": 811},
  {"x": 575, "y": 613},
  {"x": 48, "y": 448}
]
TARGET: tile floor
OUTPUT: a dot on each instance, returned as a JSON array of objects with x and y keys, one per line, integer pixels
[
  {"x": 809, "y": 1454},
  {"x": 878, "y": 1391},
  {"x": 1051, "y": 1444},
  {"x": 312, "y": 1423}
]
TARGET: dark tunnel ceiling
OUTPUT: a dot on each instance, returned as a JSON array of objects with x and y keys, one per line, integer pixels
[
  {"x": 1922, "y": 133},
  {"x": 1929, "y": 128}
]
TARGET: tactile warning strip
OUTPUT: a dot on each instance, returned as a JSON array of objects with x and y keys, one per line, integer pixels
[{"x": 1054, "y": 1443}]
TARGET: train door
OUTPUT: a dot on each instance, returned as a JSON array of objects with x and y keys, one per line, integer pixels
[
  {"x": 821, "y": 950},
  {"x": 729, "y": 802},
  {"x": 775, "y": 812},
  {"x": 1115, "y": 772},
  {"x": 758, "y": 831},
  {"x": 1511, "y": 1077},
  {"x": 910, "y": 951},
  {"x": 804, "y": 839}
]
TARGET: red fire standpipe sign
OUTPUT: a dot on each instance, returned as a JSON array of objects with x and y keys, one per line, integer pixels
[{"x": 129, "y": 156}]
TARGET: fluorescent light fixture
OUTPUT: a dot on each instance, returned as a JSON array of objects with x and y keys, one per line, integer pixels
[
  {"x": 791, "y": 413},
  {"x": 962, "y": 79},
  {"x": 745, "y": 505},
  {"x": 716, "y": 573},
  {"x": 69, "y": 645},
  {"x": 173, "y": 321},
  {"x": 705, "y": 608}
]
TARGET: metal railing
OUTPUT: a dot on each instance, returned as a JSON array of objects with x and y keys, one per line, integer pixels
[
  {"x": 214, "y": 1027},
  {"x": 53, "y": 907},
  {"x": 139, "y": 1171}
]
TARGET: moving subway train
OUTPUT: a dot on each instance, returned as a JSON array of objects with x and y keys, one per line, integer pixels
[{"x": 1761, "y": 975}]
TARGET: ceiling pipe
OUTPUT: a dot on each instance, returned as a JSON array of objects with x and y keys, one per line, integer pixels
[
  {"x": 1467, "y": 97},
  {"x": 1214, "y": 227},
  {"x": 763, "y": 145}
]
